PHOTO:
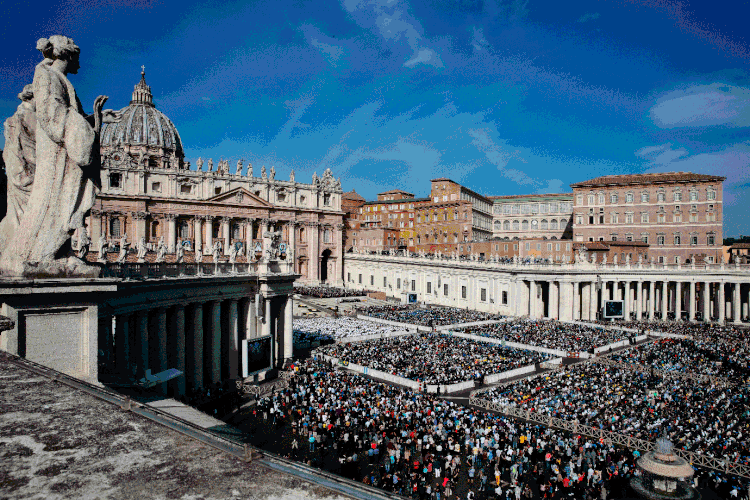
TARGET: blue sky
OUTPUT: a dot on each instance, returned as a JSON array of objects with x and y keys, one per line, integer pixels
[{"x": 506, "y": 97}]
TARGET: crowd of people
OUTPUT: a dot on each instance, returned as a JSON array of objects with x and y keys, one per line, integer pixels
[
  {"x": 434, "y": 358},
  {"x": 713, "y": 419},
  {"x": 343, "y": 327},
  {"x": 549, "y": 334},
  {"x": 429, "y": 316},
  {"x": 420, "y": 446},
  {"x": 327, "y": 292}
]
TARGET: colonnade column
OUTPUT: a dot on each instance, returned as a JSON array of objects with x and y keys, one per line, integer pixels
[
  {"x": 576, "y": 301},
  {"x": 172, "y": 232},
  {"x": 678, "y": 301},
  {"x": 195, "y": 344},
  {"x": 250, "y": 327},
  {"x": 95, "y": 226},
  {"x": 314, "y": 264},
  {"x": 691, "y": 308},
  {"x": 198, "y": 233},
  {"x": 639, "y": 300},
  {"x": 249, "y": 250},
  {"x": 593, "y": 301},
  {"x": 338, "y": 269},
  {"x": 626, "y": 299},
  {"x": 736, "y": 310},
  {"x": 161, "y": 346},
  {"x": 123, "y": 327},
  {"x": 140, "y": 349},
  {"x": 179, "y": 349},
  {"x": 288, "y": 332},
  {"x": 213, "y": 353},
  {"x": 532, "y": 299},
  {"x": 651, "y": 299},
  {"x": 234, "y": 349},
  {"x": 707, "y": 302},
  {"x": 722, "y": 303},
  {"x": 555, "y": 293},
  {"x": 664, "y": 303}
]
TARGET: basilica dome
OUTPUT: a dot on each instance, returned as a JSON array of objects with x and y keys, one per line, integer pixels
[{"x": 143, "y": 126}]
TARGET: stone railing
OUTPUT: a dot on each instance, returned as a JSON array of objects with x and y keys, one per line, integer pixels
[
  {"x": 609, "y": 438},
  {"x": 130, "y": 270}
]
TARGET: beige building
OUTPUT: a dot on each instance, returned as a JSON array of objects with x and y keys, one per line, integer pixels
[
  {"x": 149, "y": 191},
  {"x": 532, "y": 216},
  {"x": 679, "y": 214}
]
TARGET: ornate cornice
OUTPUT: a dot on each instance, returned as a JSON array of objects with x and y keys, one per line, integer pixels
[{"x": 140, "y": 215}]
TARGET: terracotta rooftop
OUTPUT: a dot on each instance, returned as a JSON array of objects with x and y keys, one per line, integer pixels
[
  {"x": 738, "y": 246},
  {"x": 631, "y": 179},
  {"x": 394, "y": 191},
  {"x": 352, "y": 195}
]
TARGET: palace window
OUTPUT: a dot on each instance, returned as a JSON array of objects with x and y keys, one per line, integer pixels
[
  {"x": 693, "y": 195},
  {"x": 445, "y": 289},
  {"x": 644, "y": 197},
  {"x": 710, "y": 194},
  {"x": 711, "y": 239},
  {"x": 563, "y": 223},
  {"x": 677, "y": 239},
  {"x": 693, "y": 239},
  {"x": 601, "y": 198},
  {"x": 660, "y": 238},
  {"x": 115, "y": 230},
  {"x": 629, "y": 198},
  {"x": 677, "y": 196},
  {"x": 505, "y": 298},
  {"x": 326, "y": 199},
  {"x": 483, "y": 294},
  {"x": 644, "y": 217},
  {"x": 184, "y": 230},
  {"x": 186, "y": 188},
  {"x": 463, "y": 292},
  {"x": 613, "y": 198},
  {"x": 115, "y": 180}
]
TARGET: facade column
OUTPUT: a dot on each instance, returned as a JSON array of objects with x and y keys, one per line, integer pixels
[
  {"x": 195, "y": 345},
  {"x": 554, "y": 299},
  {"x": 250, "y": 327},
  {"x": 576, "y": 301},
  {"x": 293, "y": 245},
  {"x": 585, "y": 298},
  {"x": 212, "y": 355},
  {"x": 638, "y": 300},
  {"x": 664, "y": 303},
  {"x": 593, "y": 301},
  {"x": 123, "y": 330},
  {"x": 736, "y": 310},
  {"x": 141, "y": 228},
  {"x": 678, "y": 301},
  {"x": 706, "y": 302},
  {"x": 267, "y": 329},
  {"x": 171, "y": 232},
  {"x": 160, "y": 347},
  {"x": 233, "y": 355},
  {"x": 339, "y": 265},
  {"x": 249, "y": 250},
  {"x": 209, "y": 235},
  {"x": 95, "y": 227},
  {"x": 198, "y": 233},
  {"x": 651, "y": 299},
  {"x": 691, "y": 308},
  {"x": 105, "y": 343},
  {"x": 225, "y": 234},
  {"x": 178, "y": 350},
  {"x": 288, "y": 332},
  {"x": 722, "y": 304},
  {"x": 140, "y": 349},
  {"x": 314, "y": 256}
]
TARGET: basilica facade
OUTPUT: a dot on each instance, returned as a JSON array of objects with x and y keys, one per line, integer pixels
[{"x": 149, "y": 192}]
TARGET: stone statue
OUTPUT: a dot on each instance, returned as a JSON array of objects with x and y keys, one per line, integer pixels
[
  {"x": 161, "y": 250},
  {"x": 103, "y": 247},
  {"x": 249, "y": 169},
  {"x": 233, "y": 251},
  {"x": 627, "y": 259},
  {"x": 142, "y": 249},
  {"x": 123, "y": 255},
  {"x": 273, "y": 173},
  {"x": 239, "y": 167},
  {"x": 198, "y": 255},
  {"x": 142, "y": 158},
  {"x": 263, "y": 174},
  {"x": 180, "y": 252},
  {"x": 216, "y": 251},
  {"x": 20, "y": 161},
  {"x": 199, "y": 164},
  {"x": 210, "y": 164},
  {"x": 291, "y": 176},
  {"x": 84, "y": 244},
  {"x": 66, "y": 173}
]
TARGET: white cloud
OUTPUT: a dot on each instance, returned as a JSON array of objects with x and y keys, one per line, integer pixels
[
  {"x": 426, "y": 56},
  {"x": 500, "y": 158},
  {"x": 703, "y": 105},
  {"x": 662, "y": 154}
]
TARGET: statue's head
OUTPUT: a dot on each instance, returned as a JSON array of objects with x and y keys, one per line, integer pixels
[
  {"x": 58, "y": 47},
  {"x": 27, "y": 94}
]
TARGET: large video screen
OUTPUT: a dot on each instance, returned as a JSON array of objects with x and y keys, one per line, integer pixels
[
  {"x": 256, "y": 355},
  {"x": 614, "y": 309}
]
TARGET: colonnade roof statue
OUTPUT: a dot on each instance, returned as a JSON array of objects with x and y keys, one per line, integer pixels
[{"x": 55, "y": 159}]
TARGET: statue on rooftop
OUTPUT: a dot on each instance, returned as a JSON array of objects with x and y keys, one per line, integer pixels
[
  {"x": 263, "y": 174},
  {"x": 291, "y": 176},
  {"x": 239, "y": 167},
  {"x": 123, "y": 255},
  {"x": 103, "y": 248},
  {"x": 273, "y": 173},
  {"x": 180, "y": 251},
  {"x": 66, "y": 173},
  {"x": 142, "y": 249},
  {"x": 199, "y": 164},
  {"x": 161, "y": 250},
  {"x": 210, "y": 164}
]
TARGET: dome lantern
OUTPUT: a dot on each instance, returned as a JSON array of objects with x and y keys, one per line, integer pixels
[{"x": 142, "y": 92}]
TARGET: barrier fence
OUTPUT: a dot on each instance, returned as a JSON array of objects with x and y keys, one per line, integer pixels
[{"x": 610, "y": 438}]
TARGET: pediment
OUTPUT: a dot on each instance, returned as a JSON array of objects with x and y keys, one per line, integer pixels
[{"x": 240, "y": 196}]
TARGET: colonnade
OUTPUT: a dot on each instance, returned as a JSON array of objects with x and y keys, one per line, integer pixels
[
  {"x": 689, "y": 299},
  {"x": 201, "y": 339}
]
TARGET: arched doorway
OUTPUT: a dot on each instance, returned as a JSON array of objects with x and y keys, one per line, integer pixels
[{"x": 324, "y": 265}]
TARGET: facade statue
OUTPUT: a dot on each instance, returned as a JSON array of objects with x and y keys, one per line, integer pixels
[
  {"x": 210, "y": 164},
  {"x": 84, "y": 244},
  {"x": 142, "y": 250},
  {"x": 239, "y": 167},
  {"x": 199, "y": 164},
  {"x": 233, "y": 251},
  {"x": 103, "y": 248},
  {"x": 20, "y": 161},
  {"x": 67, "y": 172},
  {"x": 249, "y": 169},
  {"x": 273, "y": 173},
  {"x": 123, "y": 255},
  {"x": 180, "y": 252},
  {"x": 161, "y": 250},
  {"x": 291, "y": 176},
  {"x": 263, "y": 174}
]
